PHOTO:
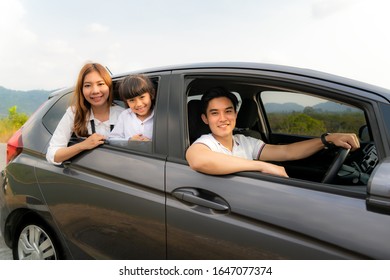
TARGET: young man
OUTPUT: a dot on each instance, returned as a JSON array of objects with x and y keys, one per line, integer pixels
[{"x": 221, "y": 152}]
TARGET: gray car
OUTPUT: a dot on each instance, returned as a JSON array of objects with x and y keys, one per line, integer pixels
[{"x": 141, "y": 200}]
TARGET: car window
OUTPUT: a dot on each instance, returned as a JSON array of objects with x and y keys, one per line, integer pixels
[
  {"x": 140, "y": 146},
  {"x": 282, "y": 114},
  {"x": 56, "y": 112},
  {"x": 308, "y": 115}
]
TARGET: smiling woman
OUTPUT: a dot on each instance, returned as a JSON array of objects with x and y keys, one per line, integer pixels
[{"x": 92, "y": 115}]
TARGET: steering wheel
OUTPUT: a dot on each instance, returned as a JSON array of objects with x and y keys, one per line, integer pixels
[{"x": 338, "y": 161}]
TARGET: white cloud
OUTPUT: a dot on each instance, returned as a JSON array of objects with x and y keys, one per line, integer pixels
[
  {"x": 46, "y": 49},
  {"x": 325, "y": 8},
  {"x": 97, "y": 28}
]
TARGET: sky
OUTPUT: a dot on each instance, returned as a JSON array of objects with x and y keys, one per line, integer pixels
[{"x": 44, "y": 43}]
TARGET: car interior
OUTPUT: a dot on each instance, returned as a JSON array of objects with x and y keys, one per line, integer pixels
[{"x": 352, "y": 168}]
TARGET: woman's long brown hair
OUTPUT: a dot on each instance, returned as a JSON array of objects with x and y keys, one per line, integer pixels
[{"x": 80, "y": 105}]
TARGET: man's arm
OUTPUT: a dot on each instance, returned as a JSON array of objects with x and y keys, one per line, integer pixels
[
  {"x": 202, "y": 159},
  {"x": 304, "y": 149}
]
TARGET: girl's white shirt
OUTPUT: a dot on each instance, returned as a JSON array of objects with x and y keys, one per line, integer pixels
[
  {"x": 129, "y": 125},
  {"x": 64, "y": 130}
]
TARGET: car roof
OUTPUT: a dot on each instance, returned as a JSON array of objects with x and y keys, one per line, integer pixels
[
  {"x": 282, "y": 69},
  {"x": 272, "y": 68}
]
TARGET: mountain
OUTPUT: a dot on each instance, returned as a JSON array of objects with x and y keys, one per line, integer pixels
[
  {"x": 26, "y": 101},
  {"x": 283, "y": 108},
  {"x": 321, "y": 107}
]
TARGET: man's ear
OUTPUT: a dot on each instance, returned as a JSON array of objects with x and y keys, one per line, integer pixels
[{"x": 204, "y": 119}]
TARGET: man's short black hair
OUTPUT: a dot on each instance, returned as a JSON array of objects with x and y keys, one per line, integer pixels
[{"x": 217, "y": 92}]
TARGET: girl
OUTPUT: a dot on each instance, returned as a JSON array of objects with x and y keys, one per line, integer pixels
[
  {"x": 91, "y": 115},
  {"x": 136, "y": 123}
]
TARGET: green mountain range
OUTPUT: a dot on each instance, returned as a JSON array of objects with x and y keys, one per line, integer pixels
[{"x": 25, "y": 101}]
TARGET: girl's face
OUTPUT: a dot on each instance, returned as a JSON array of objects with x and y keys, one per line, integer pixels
[
  {"x": 141, "y": 105},
  {"x": 95, "y": 90}
]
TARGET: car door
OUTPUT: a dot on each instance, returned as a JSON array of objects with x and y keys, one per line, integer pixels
[
  {"x": 257, "y": 216},
  {"x": 109, "y": 202}
]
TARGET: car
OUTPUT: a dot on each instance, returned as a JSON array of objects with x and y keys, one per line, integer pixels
[{"x": 141, "y": 200}]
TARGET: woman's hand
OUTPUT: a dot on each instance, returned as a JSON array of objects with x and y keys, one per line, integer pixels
[{"x": 92, "y": 141}]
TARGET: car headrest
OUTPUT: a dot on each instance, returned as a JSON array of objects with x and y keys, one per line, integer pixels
[
  {"x": 248, "y": 114},
  {"x": 196, "y": 126}
]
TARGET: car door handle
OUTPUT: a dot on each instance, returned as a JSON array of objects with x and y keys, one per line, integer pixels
[{"x": 192, "y": 196}]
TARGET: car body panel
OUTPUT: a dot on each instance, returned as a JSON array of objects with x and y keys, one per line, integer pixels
[
  {"x": 277, "y": 212},
  {"x": 108, "y": 212}
]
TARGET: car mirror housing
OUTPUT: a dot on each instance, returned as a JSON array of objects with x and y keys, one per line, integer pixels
[{"x": 378, "y": 199}]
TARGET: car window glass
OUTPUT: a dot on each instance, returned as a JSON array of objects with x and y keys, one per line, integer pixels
[
  {"x": 56, "y": 112},
  {"x": 307, "y": 115}
]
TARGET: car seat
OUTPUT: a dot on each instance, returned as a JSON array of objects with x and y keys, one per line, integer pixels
[
  {"x": 247, "y": 118},
  {"x": 196, "y": 126}
]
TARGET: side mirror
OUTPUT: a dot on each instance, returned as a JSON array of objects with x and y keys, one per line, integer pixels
[
  {"x": 364, "y": 134},
  {"x": 378, "y": 199}
]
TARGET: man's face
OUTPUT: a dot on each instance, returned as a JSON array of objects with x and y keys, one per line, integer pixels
[{"x": 220, "y": 116}]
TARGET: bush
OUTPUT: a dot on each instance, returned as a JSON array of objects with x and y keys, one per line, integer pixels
[{"x": 12, "y": 123}]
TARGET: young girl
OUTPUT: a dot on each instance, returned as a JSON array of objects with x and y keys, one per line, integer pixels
[
  {"x": 91, "y": 115},
  {"x": 136, "y": 123}
]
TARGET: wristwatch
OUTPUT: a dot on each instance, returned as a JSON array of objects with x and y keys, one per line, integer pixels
[{"x": 323, "y": 140}]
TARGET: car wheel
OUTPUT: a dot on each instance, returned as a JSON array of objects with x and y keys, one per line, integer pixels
[{"x": 34, "y": 242}]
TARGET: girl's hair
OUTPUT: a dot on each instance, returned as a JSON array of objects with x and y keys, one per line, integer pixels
[
  {"x": 136, "y": 85},
  {"x": 81, "y": 106}
]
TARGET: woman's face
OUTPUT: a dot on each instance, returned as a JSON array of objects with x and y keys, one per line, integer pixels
[{"x": 95, "y": 90}]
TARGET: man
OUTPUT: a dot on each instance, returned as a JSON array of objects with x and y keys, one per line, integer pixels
[{"x": 221, "y": 152}]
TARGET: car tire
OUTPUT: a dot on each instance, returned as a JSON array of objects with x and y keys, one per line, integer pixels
[{"x": 35, "y": 241}]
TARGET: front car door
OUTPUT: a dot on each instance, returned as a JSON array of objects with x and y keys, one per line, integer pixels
[{"x": 256, "y": 216}]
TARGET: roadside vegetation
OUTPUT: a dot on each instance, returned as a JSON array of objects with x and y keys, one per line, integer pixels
[
  {"x": 11, "y": 123},
  {"x": 313, "y": 123}
]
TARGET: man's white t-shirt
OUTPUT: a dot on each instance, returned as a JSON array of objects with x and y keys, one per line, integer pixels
[{"x": 243, "y": 146}]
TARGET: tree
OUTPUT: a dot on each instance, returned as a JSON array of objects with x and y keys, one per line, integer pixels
[
  {"x": 302, "y": 124},
  {"x": 11, "y": 123},
  {"x": 16, "y": 119}
]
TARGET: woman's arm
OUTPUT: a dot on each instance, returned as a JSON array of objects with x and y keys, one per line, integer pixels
[
  {"x": 66, "y": 153},
  {"x": 58, "y": 150}
]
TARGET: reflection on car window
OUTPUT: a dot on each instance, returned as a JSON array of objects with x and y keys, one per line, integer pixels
[
  {"x": 303, "y": 114},
  {"x": 56, "y": 112},
  {"x": 142, "y": 146}
]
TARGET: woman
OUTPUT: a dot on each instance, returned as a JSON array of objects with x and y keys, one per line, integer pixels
[{"x": 91, "y": 115}]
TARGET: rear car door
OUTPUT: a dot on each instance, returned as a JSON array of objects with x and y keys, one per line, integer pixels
[{"x": 105, "y": 203}]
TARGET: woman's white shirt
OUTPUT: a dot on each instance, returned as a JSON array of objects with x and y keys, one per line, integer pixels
[{"x": 64, "y": 130}]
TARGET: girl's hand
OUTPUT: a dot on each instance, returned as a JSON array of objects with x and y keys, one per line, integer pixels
[{"x": 139, "y": 137}]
